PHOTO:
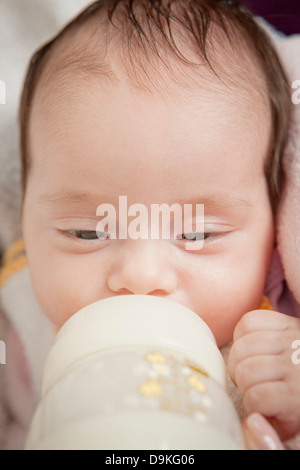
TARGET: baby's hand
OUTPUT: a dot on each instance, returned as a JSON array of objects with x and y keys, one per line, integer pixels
[{"x": 261, "y": 365}]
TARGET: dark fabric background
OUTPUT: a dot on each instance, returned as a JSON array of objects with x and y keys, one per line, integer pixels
[{"x": 283, "y": 14}]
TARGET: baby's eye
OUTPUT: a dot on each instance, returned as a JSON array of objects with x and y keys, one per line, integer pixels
[
  {"x": 196, "y": 236},
  {"x": 193, "y": 236},
  {"x": 89, "y": 234}
]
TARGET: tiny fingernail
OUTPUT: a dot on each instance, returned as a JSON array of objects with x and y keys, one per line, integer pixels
[{"x": 263, "y": 436}]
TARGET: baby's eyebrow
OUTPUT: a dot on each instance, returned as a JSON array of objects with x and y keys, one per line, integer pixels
[
  {"x": 220, "y": 201},
  {"x": 65, "y": 198}
]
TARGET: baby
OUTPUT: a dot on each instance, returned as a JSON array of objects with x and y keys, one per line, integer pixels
[{"x": 165, "y": 102}]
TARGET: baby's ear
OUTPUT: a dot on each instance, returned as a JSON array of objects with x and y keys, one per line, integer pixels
[{"x": 288, "y": 217}]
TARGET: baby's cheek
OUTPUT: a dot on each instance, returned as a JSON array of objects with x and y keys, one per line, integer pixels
[
  {"x": 231, "y": 305},
  {"x": 75, "y": 286},
  {"x": 224, "y": 324},
  {"x": 54, "y": 292}
]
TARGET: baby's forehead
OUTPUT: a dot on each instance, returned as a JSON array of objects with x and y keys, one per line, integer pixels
[
  {"x": 94, "y": 50},
  {"x": 170, "y": 48},
  {"x": 81, "y": 60}
]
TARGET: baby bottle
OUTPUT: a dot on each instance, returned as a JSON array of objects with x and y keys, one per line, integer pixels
[{"x": 135, "y": 372}]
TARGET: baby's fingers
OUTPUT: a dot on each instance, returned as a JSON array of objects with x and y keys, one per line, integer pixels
[
  {"x": 264, "y": 320},
  {"x": 259, "y": 434},
  {"x": 257, "y": 370},
  {"x": 273, "y": 400},
  {"x": 269, "y": 398},
  {"x": 256, "y": 344}
]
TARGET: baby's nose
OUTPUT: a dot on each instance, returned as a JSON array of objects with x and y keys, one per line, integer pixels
[{"x": 142, "y": 269}]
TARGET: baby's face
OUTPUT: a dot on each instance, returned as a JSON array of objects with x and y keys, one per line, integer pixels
[{"x": 99, "y": 141}]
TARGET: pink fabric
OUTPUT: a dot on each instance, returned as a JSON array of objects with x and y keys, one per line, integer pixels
[
  {"x": 20, "y": 400},
  {"x": 276, "y": 289}
]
